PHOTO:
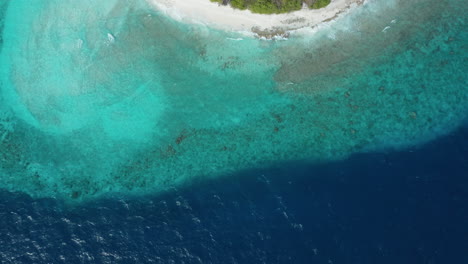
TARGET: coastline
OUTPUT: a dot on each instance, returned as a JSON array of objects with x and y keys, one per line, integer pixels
[{"x": 268, "y": 26}]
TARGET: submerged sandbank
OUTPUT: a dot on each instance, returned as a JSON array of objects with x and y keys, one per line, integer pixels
[
  {"x": 228, "y": 18},
  {"x": 163, "y": 104}
]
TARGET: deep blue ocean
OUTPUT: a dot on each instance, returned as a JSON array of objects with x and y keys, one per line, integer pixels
[{"x": 397, "y": 207}]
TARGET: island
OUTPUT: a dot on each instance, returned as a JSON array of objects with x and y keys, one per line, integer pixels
[
  {"x": 260, "y": 18},
  {"x": 273, "y": 6}
]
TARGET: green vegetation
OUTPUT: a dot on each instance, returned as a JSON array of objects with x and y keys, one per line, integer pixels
[
  {"x": 319, "y": 4},
  {"x": 273, "y": 6}
]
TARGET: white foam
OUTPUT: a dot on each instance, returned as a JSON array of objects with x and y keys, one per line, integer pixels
[
  {"x": 110, "y": 37},
  {"x": 226, "y": 18}
]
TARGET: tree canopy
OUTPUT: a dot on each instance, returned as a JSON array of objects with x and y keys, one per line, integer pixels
[{"x": 273, "y": 6}]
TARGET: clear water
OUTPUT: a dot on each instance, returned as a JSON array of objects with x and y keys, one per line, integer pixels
[
  {"x": 401, "y": 207},
  {"x": 115, "y": 97}
]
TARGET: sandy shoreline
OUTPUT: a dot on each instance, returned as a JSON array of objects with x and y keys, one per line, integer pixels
[{"x": 227, "y": 18}]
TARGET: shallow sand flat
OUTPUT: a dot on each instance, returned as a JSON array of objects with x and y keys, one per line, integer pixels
[
  {"x": 164, "y": 104},
  {"x": 227, "y": 18}
]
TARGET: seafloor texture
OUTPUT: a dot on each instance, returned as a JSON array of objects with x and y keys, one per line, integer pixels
[
  {"x": 404, "y": 207},
  {"x": 114, "y": 97}
]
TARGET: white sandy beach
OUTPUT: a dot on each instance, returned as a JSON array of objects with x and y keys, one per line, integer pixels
[{"x": 227, "y": 18}]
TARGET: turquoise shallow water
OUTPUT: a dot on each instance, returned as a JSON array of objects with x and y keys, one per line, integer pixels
[{"x": 115, "y": 97}]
